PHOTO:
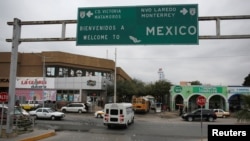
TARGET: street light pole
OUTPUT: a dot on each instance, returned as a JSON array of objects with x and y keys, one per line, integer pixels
[{"x": 43, "y": 79}]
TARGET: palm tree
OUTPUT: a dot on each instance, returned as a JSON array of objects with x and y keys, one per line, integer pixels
[{"x": 244, "y": 114}]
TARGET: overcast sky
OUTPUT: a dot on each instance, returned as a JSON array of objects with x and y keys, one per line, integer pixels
[{"x": 215, "y": 62}]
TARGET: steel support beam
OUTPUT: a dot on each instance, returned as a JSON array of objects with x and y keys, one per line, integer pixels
[{"x": 217, "y": 20}]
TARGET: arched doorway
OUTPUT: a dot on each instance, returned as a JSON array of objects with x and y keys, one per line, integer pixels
[
  {"x": 235, "y": 102},
  {"x": 178, "y": 102},
  {"x": 217, "y": 102}
]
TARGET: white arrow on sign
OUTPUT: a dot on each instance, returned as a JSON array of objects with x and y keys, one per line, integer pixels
[
  {"x": 89, "y": 14},
  {"x": 184, "y": 11}
]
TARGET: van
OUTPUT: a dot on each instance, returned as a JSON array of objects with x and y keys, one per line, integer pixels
[
  {"x": 74, "y": 107},
  {"x": 118, "y": 114}
]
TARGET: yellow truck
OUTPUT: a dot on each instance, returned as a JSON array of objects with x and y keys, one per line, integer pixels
[
  {"x": 141, "y": 104},
  {"x": 31, "y": 104}
]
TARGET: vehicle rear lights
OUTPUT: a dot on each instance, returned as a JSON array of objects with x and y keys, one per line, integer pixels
[{"x": 121, "y": 118}]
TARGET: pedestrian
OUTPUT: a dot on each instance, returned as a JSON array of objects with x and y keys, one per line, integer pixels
[{"x": 86, "y": 107}]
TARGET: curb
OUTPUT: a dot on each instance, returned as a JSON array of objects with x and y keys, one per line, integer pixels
[{"x": 39, "y": 137}]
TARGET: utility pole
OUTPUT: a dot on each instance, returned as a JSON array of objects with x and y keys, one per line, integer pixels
[
  {"x": 13, "y": 71},
  {"x": 43, "y": 79},
  {"x": 44, "y": 76}
]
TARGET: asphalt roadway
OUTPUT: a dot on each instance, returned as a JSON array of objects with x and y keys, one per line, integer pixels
[{"x": 42, "y": 134}]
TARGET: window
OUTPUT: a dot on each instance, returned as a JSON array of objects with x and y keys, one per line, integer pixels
[
  {"x": 114, "y": 112},
  {"x": 198, "y": 112},
  {"x": 79, "y": 73},
  {"x": 39, "y": 110},
  {"x": 63, "y": 72},
  {"x": 72, "y": 72},
  {"x": 78, "y": 105},
  {"x": 129, "y": 110},
  {"x": 50, "y": 71},
  {"x": 89, "y": 73},
  {"x": 143, "y": 101}
]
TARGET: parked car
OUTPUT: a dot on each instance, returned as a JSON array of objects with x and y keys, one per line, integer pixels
[
  {"x": 23, "y": 111},
  {"x": 99, "y": 114},
  {"x": 206, "y": 114},
  {"x": 74, "y": 107},
  {"x": 47, "y": 113},
  {"x": 18, "y": 111},
  {"x": 221, "y": 113},
  {"x": 19, "y": 118}
]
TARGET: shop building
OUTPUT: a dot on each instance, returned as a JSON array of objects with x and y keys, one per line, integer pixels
[
  {"x": 234, "y": 94},
  {"x": 58, "y": 76},
  {"x": 228, "y": 98}
]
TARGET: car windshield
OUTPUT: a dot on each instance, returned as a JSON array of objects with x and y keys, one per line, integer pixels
[{"x": 17, "y": 111}]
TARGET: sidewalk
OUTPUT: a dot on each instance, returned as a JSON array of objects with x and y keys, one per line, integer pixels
[
  {"x": 167, "y": 114},
  {"x": 34, "y": 135}
]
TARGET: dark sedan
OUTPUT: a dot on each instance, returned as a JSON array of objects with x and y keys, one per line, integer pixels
[{"x": 198, "y": 114}]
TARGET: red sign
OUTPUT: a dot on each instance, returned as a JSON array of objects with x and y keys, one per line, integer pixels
[
  {"x": 3, "y": 97},
  {"x": 201, "y": 100}
]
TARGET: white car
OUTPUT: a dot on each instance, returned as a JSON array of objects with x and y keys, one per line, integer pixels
[
  {"x": 99, "y": 114},
  {"x": 47, "y": 113},
  {"x": 221, "y": 113}
]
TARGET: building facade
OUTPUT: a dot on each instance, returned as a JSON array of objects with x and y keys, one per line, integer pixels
[
  {"x": 228, "y": 98},
  {"x": 60, "y": 76}
]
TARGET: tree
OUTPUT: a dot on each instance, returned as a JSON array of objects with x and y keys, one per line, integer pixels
[
  {"x": 247, "y": 81},
  {"x": 196, "y": 82},
  {"x": 124, "y": 89},
  {"x": 161, "y": 91},
  {"x": 149, "y": 88},
  {"x": 139, "y": 87},
  {"x": 244, "y": 114}
]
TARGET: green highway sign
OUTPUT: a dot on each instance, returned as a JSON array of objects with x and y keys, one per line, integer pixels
[{"x": 138, "y": 25}]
